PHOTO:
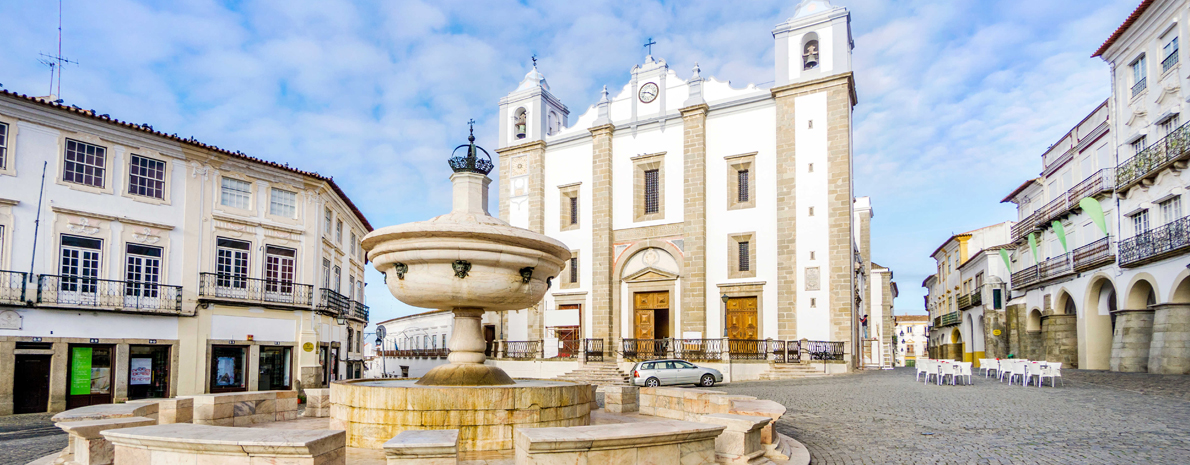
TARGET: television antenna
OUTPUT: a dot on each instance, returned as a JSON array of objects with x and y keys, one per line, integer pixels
[{"x": 55, "y": 62}]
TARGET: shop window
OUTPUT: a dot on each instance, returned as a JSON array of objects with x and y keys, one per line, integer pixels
[
  {"x": 148, "y": 371},
  {"x": 275, "y": 368},
  {"x": 227, "y": 368},
  {"x": 90, "y": 376}
]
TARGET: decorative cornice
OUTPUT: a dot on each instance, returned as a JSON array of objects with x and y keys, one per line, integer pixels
[
  {"x": 522, "y": 147},
  {"x": 741, "y": 155},
  {"x": 9, "y": 202},
  {"x": 646, "y": 156},
  {"x": 799, "y": 87}
]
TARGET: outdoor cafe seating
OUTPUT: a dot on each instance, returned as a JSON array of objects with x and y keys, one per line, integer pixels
[{"x": 1013, "y": 370}]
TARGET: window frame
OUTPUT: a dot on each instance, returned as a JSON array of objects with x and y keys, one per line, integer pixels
[
  {"x": 237, "y": 277},
  {"x": 734, "y": 259},
  {"x": 1171, "y": 209},
  {"x": 247, "y": 194},
  {"x": 104, "y": 170},
  {"x": 5, "y": 137},
  {"x": 273, "y": 204},
  {"x": 132, "y": 167},
  {"x": 643, "y": 164},
  {"x": 569, "y": 216},
  {"x": 737, "y": 164},
  {"x": 565, "y": 280}
]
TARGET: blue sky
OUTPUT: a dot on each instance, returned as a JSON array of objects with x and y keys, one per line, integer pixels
[{"x": 957, "y": 100}]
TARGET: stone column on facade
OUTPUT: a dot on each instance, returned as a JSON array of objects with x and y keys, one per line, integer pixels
[
  {"x": 839, "y": 208},
  {"x": 694, "y": 227},
  {"x": 7, "y": 371},
  {"x": 605, "y": 322},
  {"x": 786, "y": 178},
  {"x": 1060, "y": 336},
  {"x": 1169, "y": 351},
  {"x": 1131, "y": 340}
]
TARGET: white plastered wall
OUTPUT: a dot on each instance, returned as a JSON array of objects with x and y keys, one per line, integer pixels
[{"x": 813, "y": 233}]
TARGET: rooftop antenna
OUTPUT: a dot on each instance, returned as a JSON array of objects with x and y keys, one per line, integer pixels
[{"x": 55, "y": 62}]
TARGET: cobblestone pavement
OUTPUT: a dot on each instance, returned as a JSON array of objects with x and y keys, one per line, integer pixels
[
  {"x": 877, "y": 417},
  {"x": 28, "y": 437}
]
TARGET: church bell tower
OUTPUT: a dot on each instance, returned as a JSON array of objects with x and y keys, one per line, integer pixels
[
  {"x": 815, "y": 43},
  {"x": 531, "y": 112}
]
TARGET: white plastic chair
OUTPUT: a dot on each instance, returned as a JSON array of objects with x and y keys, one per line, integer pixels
[
  {"x": 1006, "y": 370},
  {"x": 948, "y": 368},
  {"x": 1032, "y": 369},
  {"x": 1053, "y": 371},
  {"x": 964, "y": 369},
  {"x": 923, "y": 366},
  {"x": 988, "y": 365},
  {"x": 1018, "y": 369}
]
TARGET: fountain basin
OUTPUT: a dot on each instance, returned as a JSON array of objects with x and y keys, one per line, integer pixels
[{"x": 372, "y": 411}]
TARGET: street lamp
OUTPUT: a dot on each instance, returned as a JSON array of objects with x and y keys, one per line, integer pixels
[
  {"x": 341, "y": 318},
  {"x": 724, "y": 298}
]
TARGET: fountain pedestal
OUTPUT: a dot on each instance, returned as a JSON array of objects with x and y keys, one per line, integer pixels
[{"x": 466, "y": 357}]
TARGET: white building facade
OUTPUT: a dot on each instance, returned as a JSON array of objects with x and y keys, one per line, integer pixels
[
  {"x": 146, "y": 265},
  {"x": 966, "y": 284},
  {"x": 694, "y": 210},
  {"x": 912, "y": 331}
]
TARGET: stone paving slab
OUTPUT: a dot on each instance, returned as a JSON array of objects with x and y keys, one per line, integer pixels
[{"x": 887, "y": 417}]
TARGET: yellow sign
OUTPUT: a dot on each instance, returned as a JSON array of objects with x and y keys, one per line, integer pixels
[
  {"x": 308, "y": 347},
  {"x": 995, "y": 332}
]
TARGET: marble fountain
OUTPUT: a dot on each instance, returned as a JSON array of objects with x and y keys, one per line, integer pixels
[{"x": 469, "y": 262}]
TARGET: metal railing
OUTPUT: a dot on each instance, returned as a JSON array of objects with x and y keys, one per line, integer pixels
[
  {"x": 1093, "y": 255},
  {"x": 1103, "y": 181},
  {"x": 1140, "y": 86},
  {"x": 825, "y": 350},
  {"x": 645, "y": 349},
  {"x": 946, "y": 319},
  {"x": 1025, "y": 278},
  {"x": 747, "y": 349},
  {"x": 1025, "y": 226},
  {"x": 1055, "y": 267},
  {"x": 359, "y": 310},
  {"x": 593, "y": 350},
  {"x": 521, "y": 349},
  {"x": 1154, "y": 157},
  {"x": 333, "y": 302},
  {"x": 1169, "y": 61},
  {"x": 415, "y": 353},
  {"x": 699, "y": 350},
  {"x": 966, "y": 301},
  {"x": 786, "y": 351},
  {"x": 1155, "y": 244},
  {"x": 12, "y": 287},
  {"x": 254, "y": 290},
  {"x": 80, "y": 291}
]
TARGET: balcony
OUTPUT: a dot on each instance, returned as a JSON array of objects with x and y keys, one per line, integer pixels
[
  {"x": 1101, "y": 182},
  {"x": 1055, "y": 268},
  {"x": 107, "y": 294},
  {"x": 13, "y": 290},
  {"x": 333, "y": 302},
  {"x": 1150, "y": 246},
  {"x": 973, "y": 299},
  {"x": 242, "y": 290},
  {"x": 947, "y": 319},
  {"x": 1025, "y": 278},
  {"x": 359, "y": 311},
  {"x": 1093, "y": 255},
  {"x": 1025, "y": 226},
  {"x": 1140, "y": 86},
  {"x": 1169, "y": 61},
  {"x": 1150, "y": 161}
]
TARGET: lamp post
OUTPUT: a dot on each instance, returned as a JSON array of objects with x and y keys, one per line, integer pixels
[{"x": 724, "y": 298}]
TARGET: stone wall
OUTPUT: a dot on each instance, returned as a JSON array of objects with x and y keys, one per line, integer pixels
[
  {"x": 1132, "y": 340},
  {"x": 995, "y": 346},
  {"x": 1060, "y": 339},
  {"x": 694, "y": 227},
  {"x": 603, "y": 319},
  {"x": 1169, "y": 352}
]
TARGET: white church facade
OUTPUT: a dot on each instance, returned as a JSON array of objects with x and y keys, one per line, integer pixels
[{"x": 695, "y": 210}]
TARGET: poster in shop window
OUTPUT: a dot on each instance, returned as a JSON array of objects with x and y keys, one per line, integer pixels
[
  {"x": 140, "y": 371},
  {"x": 225, "y": 372},
  {"x": 80, "y": 371}
]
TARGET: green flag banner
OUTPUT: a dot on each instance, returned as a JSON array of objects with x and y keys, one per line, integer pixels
[
  {"x": 1033, "y": 247},
  {"x": 1095, "y": 211},
  {"x": 1007, "y": 262},
  {"x": 1061, "y": 232}
]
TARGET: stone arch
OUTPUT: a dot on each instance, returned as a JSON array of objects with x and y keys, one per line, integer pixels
[
  {"x": 1181, "y": 289},
  {"x": 1033, "y": 322},
  {"x": 670, "y": 283},
  {"x": 1097, "y": 323},
  {"x": 1142, "y": 292}
]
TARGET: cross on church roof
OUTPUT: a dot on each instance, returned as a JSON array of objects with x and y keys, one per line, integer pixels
[
  {"x": 534, "y": 60},
  {"x": 650, "y": 45}
]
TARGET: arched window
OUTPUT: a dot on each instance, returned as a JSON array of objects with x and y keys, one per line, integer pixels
[
  {"x": 553, "y": 123},
  {"x": 520, "y": 123},
  {"x": 810, "y": 51}
]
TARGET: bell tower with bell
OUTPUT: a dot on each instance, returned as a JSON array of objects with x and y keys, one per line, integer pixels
[
  {"x": 815, "y": 43},
  {"x": 531, "y": 112}
]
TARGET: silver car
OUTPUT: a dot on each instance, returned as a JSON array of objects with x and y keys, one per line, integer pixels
[{"x": 669, "y": 372}]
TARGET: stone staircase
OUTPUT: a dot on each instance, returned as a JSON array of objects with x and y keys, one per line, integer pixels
[
  {"x": 779, "y": 371},
  {"x": 598, "y": 373}
]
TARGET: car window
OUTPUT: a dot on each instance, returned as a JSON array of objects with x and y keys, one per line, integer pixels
[
  {"x": 647, "y": 366},
  {"x": 685, "y": 365},
  {"x": 670, "y": 366}
]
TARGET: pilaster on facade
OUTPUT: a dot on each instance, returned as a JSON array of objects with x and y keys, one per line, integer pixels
[
  {"x": 694, "y": 228},
  {"x": 604, "y": 320},
  {"x": 786, "y": 177}
]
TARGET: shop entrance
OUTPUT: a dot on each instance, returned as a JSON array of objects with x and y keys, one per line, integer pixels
[
  {"x": 228, "y": 364},
  {"x": 31, "y": 384},
  {"x": 148, "y": 371},
  {"x": 90, "y": 376},
  {"x": 275, "y": 368}
]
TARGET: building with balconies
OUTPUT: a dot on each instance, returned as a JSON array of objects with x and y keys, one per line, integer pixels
[
  {"x": 911, "y": 332},
  {"x": 138, "y": 264},
  {"x": 966, "y": 284},
  {"x": 1153, "y": 148},
  {"x": 1062, "y": 252}
]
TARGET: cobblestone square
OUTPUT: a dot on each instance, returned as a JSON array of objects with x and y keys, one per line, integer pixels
[{"x": 885, "y": 417}]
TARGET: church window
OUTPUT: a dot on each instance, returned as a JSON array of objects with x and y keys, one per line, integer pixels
[
  {"x": 520, "y": 123},
  {"x": 651, "y": 191},
  {"x": 574, "y": 210},
  {"x": 554, "y": 123},
  {"x": 813, "y": 303},
  {"x": 568, "y": 207},
  {"x": 570, "y": 280},
  {"x": 811, "y": 255},
  {"x": 810, "y": 54},
  {"x": 741, "y": 256},
  {"x": 573, "y": 270},
  {"x": 741, "y": 185}
]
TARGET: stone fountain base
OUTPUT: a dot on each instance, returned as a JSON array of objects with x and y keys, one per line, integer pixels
[{"x": 373, "y": 411}]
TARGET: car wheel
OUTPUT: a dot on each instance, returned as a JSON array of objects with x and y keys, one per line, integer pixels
[
  {"x": 707, "y": 381},
  {"x": 652, "y": 382}
]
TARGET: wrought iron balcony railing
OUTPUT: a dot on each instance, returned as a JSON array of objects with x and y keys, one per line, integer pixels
[
  {"x": 1026, "y": 225},
  {"x": 13, "y": 288},
  {"x": 970, "y": 300},
  {"x": 1169, "y": 61},
  {"x": 948, "y": 319},
  {"x": 333, "y": 302},
  {"x": 1025, "y": 278},
  {"x": 698, "y": 350},
  {"x": 359, "y": 310},
  {"x": 253, "y": 290},
  {"x": 415, "y": 353},
  {"x": 1140, "y": 86},
  {"x": 824, "y": 350},
  {"x": 1093, "y": 255},
  {"x": 1154, "y": 158},
  {"x": 1165, "y": 241},
  {"x": 1055, "y": 267},
  {"x": 517, "y": 349},
  {"x": 127, "y": 296},
  {"x": 747, "y": 349},
  {"x": 645, "y": 349}
]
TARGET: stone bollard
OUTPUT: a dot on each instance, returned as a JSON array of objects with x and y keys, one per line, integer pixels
[
  {"x": 423, "y": 447},
  {"x": 318, "y": 403},
  {"x": 621, "y": 399},
  {"x": 740, "y": 443}
]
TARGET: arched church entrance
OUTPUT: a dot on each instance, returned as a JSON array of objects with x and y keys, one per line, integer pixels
[{"x": 650, "y": 278}]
